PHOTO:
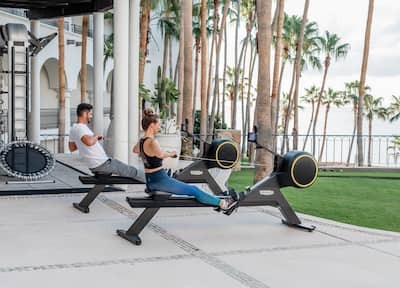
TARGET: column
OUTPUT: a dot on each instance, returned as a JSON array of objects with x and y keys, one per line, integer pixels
[
  {"x": 34, "y": 123},
  {"x": 98, "y": 81},
  {"x": 134, "y": 46},
  {"x": 120, "y": 87}
]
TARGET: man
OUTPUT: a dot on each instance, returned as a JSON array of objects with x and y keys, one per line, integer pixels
[{"x": 83, "y": 139}]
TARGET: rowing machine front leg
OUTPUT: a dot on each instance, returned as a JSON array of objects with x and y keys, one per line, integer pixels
[{"x": 83, "y": 206}]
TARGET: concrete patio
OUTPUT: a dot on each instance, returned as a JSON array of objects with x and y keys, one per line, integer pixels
[{"x": 46, "y": 243}]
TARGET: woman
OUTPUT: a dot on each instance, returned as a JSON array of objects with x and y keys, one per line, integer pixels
[{"x": 157, "y": 177}]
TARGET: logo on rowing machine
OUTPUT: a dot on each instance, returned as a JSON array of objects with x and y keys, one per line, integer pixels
[
  {"x": 196, "y": 172},
  {"x": 266, "y": 192}
]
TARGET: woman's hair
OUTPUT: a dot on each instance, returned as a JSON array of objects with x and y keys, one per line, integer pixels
[{"x": 149, "y": 117}]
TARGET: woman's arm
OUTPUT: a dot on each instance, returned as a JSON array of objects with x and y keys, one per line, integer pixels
[
  {"x": 136, "y": 148},
  {"x": 156, "y": 151}
]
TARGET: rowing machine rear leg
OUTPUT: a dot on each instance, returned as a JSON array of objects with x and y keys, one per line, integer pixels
[
  {"x": 308, "y": 228},
  {"x": 83, "y": 206}
]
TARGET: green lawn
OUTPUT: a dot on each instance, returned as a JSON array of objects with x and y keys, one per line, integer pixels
[{"x": 364, "y": 199}]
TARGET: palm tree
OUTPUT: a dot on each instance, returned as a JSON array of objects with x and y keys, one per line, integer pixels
[
  {"x": 263, "y": 112},
  {"x": 85, "y": 26},
  {"x": 362, "y": 84},
  {"x": 204, "y": 113},
  {"x": 61, "y": 85},
  {"x": 144, "y": 31},
  {"x": 330, "y": 45},
  {"x": 334, "y": 98},
  {"x": 395, "y": 148},
  {"x": 181, "y": 74},
  {"x": 394, "y": 109},
  {"x": 373, "y": 107},
  {"x": 277, "y": 58},
  {"x": 187, "y": 109},
  {"x": 310, "y": 97},
  {"x": 218, "y": 52},
  {"x": 297, "y": 64},
  {"x": 351, "y": 94}
]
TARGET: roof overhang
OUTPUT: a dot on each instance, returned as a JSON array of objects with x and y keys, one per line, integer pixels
[{"x": 41, "y": 9}]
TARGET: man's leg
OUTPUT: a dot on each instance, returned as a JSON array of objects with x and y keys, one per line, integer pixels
[{"x": 119, "y": 168}]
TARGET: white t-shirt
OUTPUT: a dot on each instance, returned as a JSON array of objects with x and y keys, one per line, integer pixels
[{"x": 93, "y": 155}]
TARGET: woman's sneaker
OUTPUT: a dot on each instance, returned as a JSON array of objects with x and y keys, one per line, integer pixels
[{"x": 229, "y": 206}]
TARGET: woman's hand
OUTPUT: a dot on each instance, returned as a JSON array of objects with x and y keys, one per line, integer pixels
[{"x": 172, "y": 154}]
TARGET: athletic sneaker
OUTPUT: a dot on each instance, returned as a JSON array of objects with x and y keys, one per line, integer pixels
[{"x": 229, "y": 206}]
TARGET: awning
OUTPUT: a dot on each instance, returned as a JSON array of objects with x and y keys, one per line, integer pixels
[{"x": 40, "y": 9}]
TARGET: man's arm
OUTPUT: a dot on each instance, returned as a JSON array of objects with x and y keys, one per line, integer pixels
[
  {"x": 90, "y": 140},
  {"x": 72, "y": 146}
]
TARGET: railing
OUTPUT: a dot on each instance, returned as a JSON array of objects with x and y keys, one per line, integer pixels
[
  {"x": 336, "y": 150},
  {"x": 15, "y": 11}
]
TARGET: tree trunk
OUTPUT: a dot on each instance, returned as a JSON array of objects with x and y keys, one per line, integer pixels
[
  {"x": 298, "y": 72},
  {"x": 85, "y": 23},
  {"x": 181, "y": 63},
  {"x": 171, "y": 72},
  {"x": 263, "y": 110},
  {"x": 369, "y": 142},
  {"x": 248, "y": 104},
  {"x": 233, "y": 119},
  {"x": 196, "y": 76},
  {"x": 213, "y": 41},
  {"x": 144, "y": 30},
  {"x": 224, "y": 77},
  {"x": 188, "y": 72},
  {"x": 242, "y": 102},
  {"x": 276, "y": 78},
  {"x": 204, "y": 111},
  {"x": 218, "y": 52},
  {"x": 165, "y": 56},
  {"x": 327, "y": 61},
  {"x": 309, "y": 125},
  {"x": 278, "y": 100},
  {"x": 354, "y": 135},
  {"x": 362, "y": 84},
  {"x": 324, "y": 134},
  {"x": 285, "y": 138},
  {"x": 61, "y": 85}
]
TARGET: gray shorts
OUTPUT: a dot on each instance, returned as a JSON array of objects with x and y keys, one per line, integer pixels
[{"x": 114, "y": 166}]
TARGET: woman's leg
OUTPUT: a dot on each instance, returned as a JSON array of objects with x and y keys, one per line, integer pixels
[{"x": 174, "y": 186}]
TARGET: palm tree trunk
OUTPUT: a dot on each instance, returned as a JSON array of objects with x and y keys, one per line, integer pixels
[
  {"x": 354, "y": 135},
  {"x": 187, "y": 109},
  {"x": 242, "y": 102},
  {"x": 213, "y": 41},
  {"x": 276, "y": 78},
  {"x": 233, "y": 119},
  {"x": 287, "y": 115},
  {"x": 196, "y": 77},
  {"x": 181, "y": 63},
  {"x": 218, "y": 52},
  {"x": 278, "y": 100},
  {"x": 165, "y": 56},
  {"x": 362, "y": 84},
  {"x": 61, "y": 85},
  {"x": 224, "y": 76},
  {"x": 298, "y": 72},
  {"x": 324, "y": 134},
  {"x": 85, "y": 23},
  {"x": 369, "y": 142},
  {"x": 263, "y": 109},
  {"x": 319, "y": 103},
  {"x": 309, "y": 125},
  {"x": 171, "y": 73},
  {"x": 204, "y": 111},
  {"x": 144, "y": 29},
  {"x": 253, "y": 57}
]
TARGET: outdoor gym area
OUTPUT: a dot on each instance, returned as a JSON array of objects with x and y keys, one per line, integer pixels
[{"x": 174, "y": 143}]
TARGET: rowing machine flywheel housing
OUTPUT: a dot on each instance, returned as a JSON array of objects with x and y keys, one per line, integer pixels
[
  {"x": 223, "y": 153},
  {"x": 297, "y": 169}
]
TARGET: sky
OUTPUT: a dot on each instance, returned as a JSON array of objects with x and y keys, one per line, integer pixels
[{"x": 347, "y": 18}]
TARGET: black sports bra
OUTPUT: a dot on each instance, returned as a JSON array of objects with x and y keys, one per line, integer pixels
[{"x": 150, "y": 162}]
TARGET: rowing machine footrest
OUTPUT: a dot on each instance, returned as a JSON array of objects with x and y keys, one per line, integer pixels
[{"x": 135, "y": 239}]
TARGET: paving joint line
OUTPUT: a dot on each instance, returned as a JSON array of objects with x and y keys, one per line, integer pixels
[{"x": 186, "y": 246}]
